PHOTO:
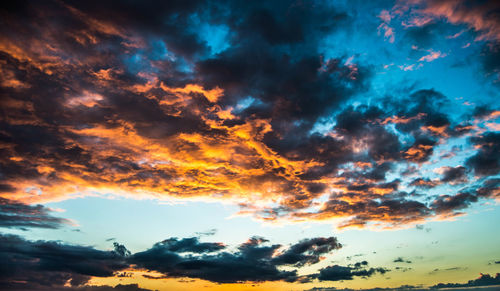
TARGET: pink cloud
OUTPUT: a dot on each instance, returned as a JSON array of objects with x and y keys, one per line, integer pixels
[
  {"x": 477, "y": 15},
  {"x": 388, "y": 31},
  {"x": 432, "y": 56}
]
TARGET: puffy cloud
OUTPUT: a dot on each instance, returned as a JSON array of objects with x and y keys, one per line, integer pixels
[
  {"x": 119, "y": 287},
  {"x": 401, "y": 260},
  {"x": 487, "y": 159},
  {"x": 454, "y": 175},
  {"x": 485, "y": 282},
  {"x": 307, "y": 251},
  {"x": 49, "y": 263},
  {"x": 253, "y": 260},
  {"x": 41, "y": 265},
  {"x": 191, "y": 244}
]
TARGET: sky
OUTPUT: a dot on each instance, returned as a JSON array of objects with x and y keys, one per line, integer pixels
[{"x": 250, "y": 145}]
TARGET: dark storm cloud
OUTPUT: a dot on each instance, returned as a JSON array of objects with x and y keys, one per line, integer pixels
[
  {"x": 487, "y": 159},
  {"x": 93, "y": 36},
  {"x": 454, "y": 175},
  {"x": 483, "y": 280},
  {"x": 253, "y": 261},
  {"x": 49, "y": 263},
  {"x": 307, "y": 251},
  {"x": 19, "y": 215},
  {"x": 421, "y": 150},
  {"x": 191, "y": 244},
  {"x": 448, "y": 204},
  {"x": 480, "y": 16},
  {"x": 338, "y": 273},
  {"x": 489, "y": 188},
  {"x": 424, "y": 183},
  {"x": 482, "y": 111},
  {"x": 402, "y": 211},
  {"x": 124, "y": 97},
  {"x": 490, "y": 58},
  {"x": 359, "y": 125},
  {"x": 379, "y": 171}
]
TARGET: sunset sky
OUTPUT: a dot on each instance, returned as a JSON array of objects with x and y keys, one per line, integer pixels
[{"x": 249, "y": 145}]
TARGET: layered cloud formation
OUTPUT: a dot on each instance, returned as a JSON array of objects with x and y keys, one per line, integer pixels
[
  {"x": 287, "y": 109},
  {"x": 50, "y": 264},
  {"x": 233, "y": 102}
]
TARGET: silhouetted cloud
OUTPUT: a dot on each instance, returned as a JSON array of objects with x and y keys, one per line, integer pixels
[
  {"x": 119, "y": 287},
  {"x": 402, "y": 260},
  {"x": 338, "y": 273},
  {"x": 454, "y": 175},
  {"x": 483, "y": 280},
  {"x": 191, "y": 244},
  {"x": 49, "y": 264},
  {"x": 487, "y": 159},
  {"x": 53, "y": 264},
  {"x": 253, "y": 261},
  {"x": 19, "y": 215}
]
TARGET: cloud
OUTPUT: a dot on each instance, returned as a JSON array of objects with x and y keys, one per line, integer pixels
[
  {"x": 389, "y": 34},
  {"x": 424, "y": 35},
  {"x": 192, "y": 245},
  {"x": 209, "y": 232},
  {"x": 480, "y": 16},
  {"x": 425, "y": 23},
  {"x": 338, "y": 273},
  {"x": 490, "y": 56},
  {"x": 483, "y": 280},
  {"x": 432, "y": 56},
  {"x": 424, "y": 183},
  {"x": 454, "y": 175},
  {"x": 19, "y": 215},
  {"x": 253, "y": 261},
  {"x": 140, "y": 105},
  {"x": 487, "y": 159},
  {"x": 307, "y": 251},
  {"x": 119, "y": 287},
  {"x": 49, "y": 263},
  {"x": 447, "y": 203},
  {"x": 401, "y": 260}
]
